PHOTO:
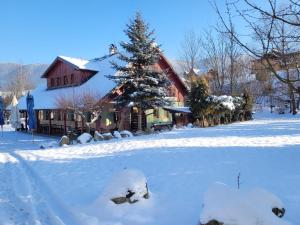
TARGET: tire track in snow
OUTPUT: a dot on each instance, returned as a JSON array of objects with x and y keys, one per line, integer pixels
[
  {"x": 35, "y": 198},
  {"x": 13, "y": 209}
]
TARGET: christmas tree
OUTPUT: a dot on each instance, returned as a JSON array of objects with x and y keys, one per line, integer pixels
[
  {"x": 197, "y": 98},
  {"x": 142, "y": 85}
]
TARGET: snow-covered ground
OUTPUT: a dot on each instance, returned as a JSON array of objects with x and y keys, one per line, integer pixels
[{"x": 67, "y": 185}]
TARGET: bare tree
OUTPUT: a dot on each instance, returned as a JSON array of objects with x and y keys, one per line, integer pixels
[
  {"x": 84, "y": 104},
  {"x": 20, "y": 82},
  {"x": 271, "y": 44},
  {"x": 214, "y": 50},
  {"x": 234, "y": 65},
  {"x": 190, "y": 53},
  {"x": 221, "y": 56}
]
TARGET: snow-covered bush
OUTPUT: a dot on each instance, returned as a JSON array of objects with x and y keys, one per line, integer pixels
[
  {"x": 239, "y": 104},
  {"x": 226, "y": 205},
  {"x": 84, "y": 138},
  {"x": 221, "y": 108}
]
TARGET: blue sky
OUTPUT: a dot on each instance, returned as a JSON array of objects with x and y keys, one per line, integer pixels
[{"x": 38, "y": 31}]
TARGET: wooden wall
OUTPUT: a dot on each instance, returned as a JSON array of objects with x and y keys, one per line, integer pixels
[{"x": 64, "y": 75}]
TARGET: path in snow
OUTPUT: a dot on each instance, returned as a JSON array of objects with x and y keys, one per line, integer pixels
[{"x": 25, "y": 198}]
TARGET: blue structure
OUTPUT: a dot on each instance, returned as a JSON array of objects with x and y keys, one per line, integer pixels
[
  {"x": 1, "y": 111},
  {"x": 30, "y": 111}
]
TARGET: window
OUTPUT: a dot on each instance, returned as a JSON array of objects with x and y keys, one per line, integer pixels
[
  {"x": 72, "y": 78},
  {"x": 46, "y": 115},
  {"x": 156, "y": 113},
  {"x": 70, "y": 116},
  {"x": 65, "y": 80},
  {"x": 57, "y": 115},
  {"x": 88, "y": 117},
  {"x": 52, "y": 82},
  {"x": 58, "y": 81},
  {"x": 166, "y": 113}
]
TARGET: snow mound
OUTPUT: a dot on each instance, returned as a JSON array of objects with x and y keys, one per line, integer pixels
[
  {"x": 98, "y": 136},
  {"x": 105, "y": 211},
  {"x": 107, "y": 136},
  {"x": 117, "y": 134},
  {"x": 126, "y": 133},
  {"x": 84, "y": 138},
  {"x": 189, "y": 125},
  {"x": 7, "y": 158},
  {"x": 127, "y": 181},
  {"x": 235, "y": 206},
  {"x": 50, "y": 144}
]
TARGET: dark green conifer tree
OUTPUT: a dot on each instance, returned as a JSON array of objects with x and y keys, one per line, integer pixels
[
  {"x": 143, "y": 86},
  {"x": 198, "y": 98}
]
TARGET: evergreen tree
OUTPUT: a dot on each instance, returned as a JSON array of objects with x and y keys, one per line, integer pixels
[
  {"x": 143, "y": 86},
  {"x": 197, "y": 98},
  {"x": 248, "y": 105}
]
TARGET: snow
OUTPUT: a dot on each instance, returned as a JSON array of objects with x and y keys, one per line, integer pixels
[
  {"x": 127, "y": 133},
  {"x": 98, "y": 134},
  {"x": 117, "y": 134},
  {"x": 182, "y": 109},
  {"x": 119, "y": 185},
  {"x": 99, "y": 83},
  {"x": 224, "y": 100},
  {"x": 239, "y": 206},
  {"x": 84, "y": 138},
  {"x": 104, "y": 211},
  {"x": 5, "y": 158},
  {"x": 189, "y": 125},
  {"x": 69, "y": 184}
]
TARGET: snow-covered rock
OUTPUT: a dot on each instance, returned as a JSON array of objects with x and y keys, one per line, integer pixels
[
  {"x": 126, "y": 133},
  {"x": 107, "y": 136},
  {"x": 189, "y": 125},
  {"x": 244, "y": 207},
  {"x": 117, "y": 134},
  {"x": 50, "y": 144},
  {"x": 98, "y": 136},
  {"x": 139, "y": 208},
  {"x": 127, "y": 186},
  {"x": 84, "y": 138},
  {"x": 64, "y": 141}
]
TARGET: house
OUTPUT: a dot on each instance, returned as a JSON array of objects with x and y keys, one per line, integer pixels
[
  {"x": 67, "y": 76},
  {"x": 286, "y": 67}
]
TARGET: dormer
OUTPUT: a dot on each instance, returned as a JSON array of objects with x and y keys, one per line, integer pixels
[{"x": 67, "y": 72}]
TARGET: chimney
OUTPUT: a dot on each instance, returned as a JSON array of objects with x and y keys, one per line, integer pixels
[{"x": 112, "y": 49}]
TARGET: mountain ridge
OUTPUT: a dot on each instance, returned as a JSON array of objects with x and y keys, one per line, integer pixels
[{"x": 9, "y": 70}]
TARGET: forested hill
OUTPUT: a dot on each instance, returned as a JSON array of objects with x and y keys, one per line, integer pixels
[{"x": 9, "y": 71}]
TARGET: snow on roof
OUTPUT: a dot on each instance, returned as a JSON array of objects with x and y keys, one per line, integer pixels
[
  {"x": 178, "y": 109},
  {"x": 99, "y": 83},
  {"x": 84, "y": 64},
  {"x": 80, "y": 63},
  {"x": 180, "y": 68}
]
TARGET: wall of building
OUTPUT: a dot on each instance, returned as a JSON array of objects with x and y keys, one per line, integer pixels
[{"x": 65, "y": 75}]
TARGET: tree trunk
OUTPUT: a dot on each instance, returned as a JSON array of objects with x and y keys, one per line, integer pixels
[
  {"x": 65, "y": 122},
  {"x": 140, "y": 119},
  {"x": 293, "y": 101}
]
